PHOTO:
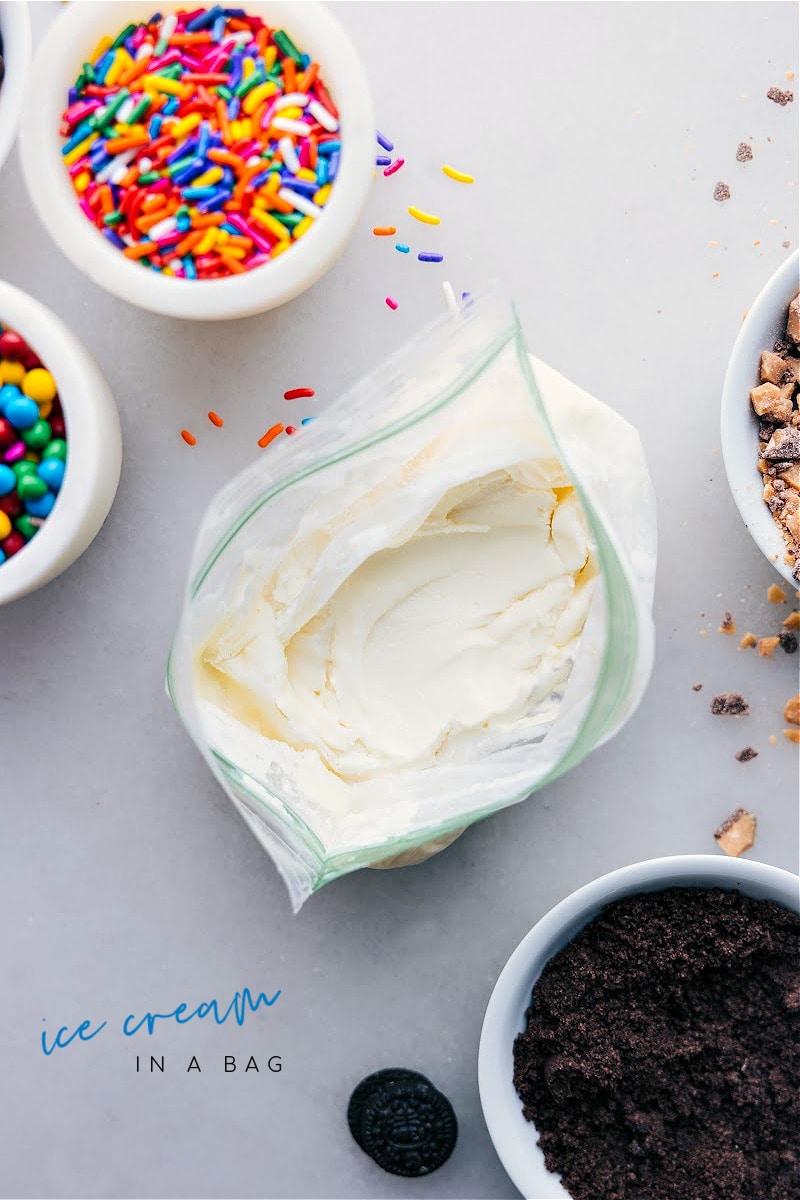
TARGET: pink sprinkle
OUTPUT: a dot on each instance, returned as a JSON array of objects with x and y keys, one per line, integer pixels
[
  {"x": 392, "y": 303},
  {"x": 395, "y": 166}
]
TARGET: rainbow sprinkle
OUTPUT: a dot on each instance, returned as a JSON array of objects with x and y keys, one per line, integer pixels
[{"x": 201, "y": 144}]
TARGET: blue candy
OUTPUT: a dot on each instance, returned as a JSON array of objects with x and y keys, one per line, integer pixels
[
  {"x": 51, "y": 470},
  {"x": 8, "y": 480},
  {"x": 22, "y": 411},
  {"x": 41, "y": 507},
  {"x": 8, "y": 392}
]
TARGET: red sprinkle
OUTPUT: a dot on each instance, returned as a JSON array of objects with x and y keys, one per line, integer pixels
[
  {"x": 299, "y": 393},
  {"x": 392, "y": 303},
  {"x": 395, "y": 166},
  {"x": 216, "y": 419},
  {"x": 189, "y": 438}
]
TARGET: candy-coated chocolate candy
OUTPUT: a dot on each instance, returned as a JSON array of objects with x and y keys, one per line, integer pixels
[
  {"x": 2, "y": 557},
  {"x": 22, "y": 468},
  {"x": 11, "y": 504},
  {"x": 8, "y": 480},
  {"x": 31, "y": 487},
  {"x": 39, "y": 385},
  {"x": 38, "y": 436},
  {"x": 57, "y": 425},
  {"x": 8, "y": 392},
  {"x": 41, "y": 507},
  {"x": 12, "y": 372},
  {"x": 12, "y": 544},
  {"x": 51, "y": 470},
  {"x": 15, "y": 452},
  {"x": 5, "y": 526},
  {"x": 22, "y": 411},
  {"x": 11, "y": 344},
  {"x": 27, "y": 526},
  {"x": 8, "y": 434},
  {"x": 45, "y": 409},
  {"x": 56, "y": 449}
]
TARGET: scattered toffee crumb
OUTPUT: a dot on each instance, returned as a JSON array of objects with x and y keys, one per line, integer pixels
[
  {"x": 728, "y": 624},
  {"x": 743, "y": 152},
  {"x": 786, "y": 245},
  {"x": 788, "y": 642},
  {"x": 780, "y": 97},
  {"x": 659, "y": 1060},
  {"x": 746, "y": 755},
  {"x": 697, "y": 687},
  {"x": 722, "y": 191},
  {"x": 737, "y": 832},
  {"x": 730, "y": 704}
]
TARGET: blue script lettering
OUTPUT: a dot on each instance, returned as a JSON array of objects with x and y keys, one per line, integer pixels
[
  {"x": 240, "y": 1005},
  {"x": 81, "y": 1032}
]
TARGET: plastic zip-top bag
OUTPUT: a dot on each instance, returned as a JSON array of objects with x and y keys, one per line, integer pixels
[{"x": 431, "y": 604}]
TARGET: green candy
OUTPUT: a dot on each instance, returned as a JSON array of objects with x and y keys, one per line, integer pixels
[
  {"x": 31, "y": 487},
  {"x": 26, "y": 527},
  {"x": 56, "y": 449},
  {"x": 23, "y": 467},
  {"x": 38, "y": 435}
]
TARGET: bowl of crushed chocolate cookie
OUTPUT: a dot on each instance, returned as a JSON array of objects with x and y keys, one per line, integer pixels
[
  {"x": 761, "y": 420},
  {"x": 641, "y": 1042}
]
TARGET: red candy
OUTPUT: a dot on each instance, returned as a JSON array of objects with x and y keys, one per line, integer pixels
[
  {"x": 8, "y": 434},
  {"x": 11, "y": 505},
  {"x": 12, "y": 345},
  {"x": 12, "y": 544},
  {"x": 57, "y": 426}
]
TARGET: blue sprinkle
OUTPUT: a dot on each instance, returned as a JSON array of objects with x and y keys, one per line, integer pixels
[
  {"x": 101, "y": 67},
  {"x": 204, "y": 19},
  {"x": 384, "y": 141},
  {"x": 72, "y": 95},
  {"x": 426, "y": 257},
  {"x": 303, "y": 186},
  {"x": 203, "y": 139},
  {"x": 326, "y": 149},
  {"x": 307, "y": 420},
  {"x": 190, "y": 146},
  {"x": 198, "y": 193},
  {"x": 402, "y": 247},
  {"x": 170, "y": 107},
  {"x": 233, "y": 108},
  {"x": 231, "y": 229},
  {"x": 114, "y": 238},
  {"x": 184, "y": 221},
  {"x": 305, "y": 62},
  {"x": 157, "y": 16},
  {"x": 228, "y": 177},
  {"x": 218, "y": 28},
  {"x": 235, "y": 12},
  {"x": 334, "y": 166},
  {"x": 382, "y": 160},
  {"x": 235, "y": 74},
  {"x": 154, "y": 128},
  {"x": 83, "y": 131},
  {"x": 322, "y": 171},
  {"x": 196, "y": 167},
  {"x": 189, "y": 269}
]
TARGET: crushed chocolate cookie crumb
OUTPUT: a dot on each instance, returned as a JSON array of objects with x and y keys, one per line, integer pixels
[
  {"x": 778, "y": 96},
  {"x": 746, "y": 755},
  {"x": 728, "y": 624},
  {"x": 697, "y": 687},
  {"x": 743, "y": 152},
  {"x": 730, "y": 704},
  {"x": 788, "y": 642},
  {"x": 767, "y": 646},
  {"x": 748, "y": 640},
  {"x": 722, "y": 191},
  {"x": 791, "y": 712},
  {"x": 737, "y": 832}
]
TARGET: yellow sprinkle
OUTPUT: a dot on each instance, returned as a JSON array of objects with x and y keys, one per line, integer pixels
[
  {"x": 268, "y": 221},
  {"x": 235, "y": 252},
  {"x": 118, "y": 66},
  {"x": 248, "y": 66},
  {"x": 81, "y": 182},
  {"x": 212, "y": 175},
  {"x": 279, "y": 249},
  {"x": 308, "y": 175},
  {"x": 459, "y": 176},
  {"x": 258, "y": 95},
  {"x": 208, "y": 243},
  {"x": 419, "y": 215},
  {"x": 100, "y": 49},
  {"x": 241, "y": 129},
  {"x": 222, "y": 237},
  {"x": 167, "y": 271},
  {"x": 303, "y": 226},
  {"x": 179, "y": 130},
  {"x": 170, "y": 87},
  {"x": 79, "y": 151},
  {"x": 321, "y": 196}
]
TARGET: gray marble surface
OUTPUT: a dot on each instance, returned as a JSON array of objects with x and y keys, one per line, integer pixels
[{"x": 597, "y": 132}]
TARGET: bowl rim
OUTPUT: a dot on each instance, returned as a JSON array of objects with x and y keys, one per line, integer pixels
[
  {"x": 69, "y": 39},
  {"x": 94, "y": 442},
  {"x": 513, "y": 1137},
  {"x": 15, "y": 24},
  {"x": 738, "y": 422}
]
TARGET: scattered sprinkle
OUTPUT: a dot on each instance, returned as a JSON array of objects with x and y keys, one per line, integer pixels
[
  {"x": 722, "y": 191},
  {"x": 270, "y": 435},
  {"x": 216, "y": 419},
  {"x": 459, "y": 176},
  {"x": 426, "y": 218},
  {"x": 780, "y": 97},
  {"x": 189, "y": 438},
  {"x": 384, "y": 231},
  {"x": 744, "y": 152},
  {"x": 746, "y": 755},
  {"x": 304, "y": 393},
  {"x": 402, "y": 247},
  {"x": 384, "y": 141},
  {"x": 391, "y": 303},
  {"x": 450, "y": 298},
  {"x": 427, "y": 256},
  {"x": 307, "y": 420},
  {"x": 290, "y": 429},
  {"x": 382, "y": 160},
  {"x": 776, "y": 594},
  {"x": 395, "y": 166}
]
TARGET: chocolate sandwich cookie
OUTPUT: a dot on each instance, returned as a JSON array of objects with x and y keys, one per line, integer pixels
[{"x": 402, "y": 1122}]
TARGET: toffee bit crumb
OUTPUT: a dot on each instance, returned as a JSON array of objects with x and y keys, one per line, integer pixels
[
  {"x": 737, "y": 832},
  {"x": 778, "y": 96},
  {"x": 786, "y": 245},
  {"x": 748, "y": 640},
  {"x": 728, "y": 624},
  {"x": 788, "y": 642},
  {"x": 697, "y": 687},
  {"x": 773, "y": 741},
  {"x": 746, "y": 755},
  {"x": 792, "y": 735},
  {"x": 792, "y": 621},
  {"x": 730, "y": 704},
  {"x": 722, "y": 191},
  {"x": 775, "y": 594},
  {"x": 791, "y": 712},
  {"x": 767, "y": 645},
  {"x": 743, "y": 152}
]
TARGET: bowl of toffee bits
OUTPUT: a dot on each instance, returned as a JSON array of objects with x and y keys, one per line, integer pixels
[
  {"x": 641, "y": 1042},
  {"x": 761, "y": 420}
]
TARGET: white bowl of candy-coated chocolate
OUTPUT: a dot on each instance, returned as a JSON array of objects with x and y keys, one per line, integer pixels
[
  {"x": 764, "y": 324},
  {"x": 515, "y": 1138},
  {"x": 71, "y": 38},
  {"x": 94, "y": 447},
  {"x": 15, "y": 29}
]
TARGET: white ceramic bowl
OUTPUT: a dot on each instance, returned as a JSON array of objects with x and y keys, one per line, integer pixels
[
  {"x": 94, "y": 447},
  {"x": 72, "y": 37},
  {"x": 16, "y": 30},
  {"x": 514, "y": 1138},
  {"x": 764, "y": 324}
]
